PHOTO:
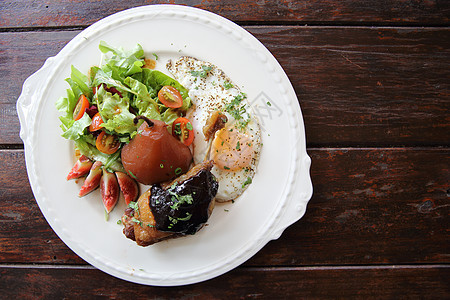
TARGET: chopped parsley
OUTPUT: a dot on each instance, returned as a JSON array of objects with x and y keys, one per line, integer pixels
[
  {"x": 227, "y": 85},
  {"x": 136, "y": 221},
  {"x": 187, "y": 218},
  {"x": 174, "y": 221},
  {"x": 134, "y": 206},
  {"x": 203, "y": 73},
  {"x": 178, "y": 200},
  {"x": 237, "y": 110},
  {"x": 247, "y": 182},
  {"x": 132, "y": 175},
  {"x": 238, "y": 146}
]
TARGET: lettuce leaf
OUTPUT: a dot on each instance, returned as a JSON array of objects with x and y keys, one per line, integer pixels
[
  {"x": 115, "y": 112},
  {"x": 126, "y": 63},
  {"x": 75, "y": 129},
  {"x": 156, "y": 80},
  {"x": 81, "y": 81},
  {"x": 143, "y": 100},
  {"x": 106, "y": 77},
  {"x": 67, "y": 104}
]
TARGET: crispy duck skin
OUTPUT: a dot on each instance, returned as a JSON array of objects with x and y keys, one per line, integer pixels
[{"x": 140, "y": 224}]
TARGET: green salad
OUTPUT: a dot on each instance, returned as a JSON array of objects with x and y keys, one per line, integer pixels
[{"x": 99, "y": 110}]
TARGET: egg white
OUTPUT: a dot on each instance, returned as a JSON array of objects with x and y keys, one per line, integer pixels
[{"x": 211, "y": 91}]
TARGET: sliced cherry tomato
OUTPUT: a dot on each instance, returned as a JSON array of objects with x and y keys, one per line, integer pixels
[
  {"x": 81, "y": 107},
  {"x": 170, "y": 97},
  {"x": 96, "y": 121},
  {"x": 183, "y": 130},
  {"x": 107, "y": 143}
]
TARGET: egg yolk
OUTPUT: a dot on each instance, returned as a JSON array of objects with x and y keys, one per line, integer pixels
[{"x": 231, "y": 150}]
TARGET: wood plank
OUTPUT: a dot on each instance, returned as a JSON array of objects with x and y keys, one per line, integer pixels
[
  {"x": 370, "y": 206},
  {"x": 388, "y": 282},
  {"x": 25, "y": 235},
  {"x": 366, "y": 87},
  {"x": 22, "y": 54},
  {"x": 51, "y": 13}
]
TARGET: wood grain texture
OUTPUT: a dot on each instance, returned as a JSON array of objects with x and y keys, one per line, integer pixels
[
  {"x": 22, "y": 54},
  {"x": 25, "y": 235},
  {"x": 52, "y": 13},
  {"x": 359, "y": 87},
  {"x": 367, "y": 87},
  {"x": 242, "y": 283},
  {"x": 373, "y": 82},
  {"x": 370, "y": 206}
]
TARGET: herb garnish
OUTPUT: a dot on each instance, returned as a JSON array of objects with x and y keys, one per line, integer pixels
[
  {"x": 176, "y": 220},
  {"x": 203, "y": 73},
  {"x": 178, "y": 171},
  {"x": 236, "y": 110},
  {"x": 136, "y": 221},
  {"x": 180, "y": 199},
  {"x": 227, "y": 85},
  {"x": 131, "y": 174},
  {"x": 247, "y": 182},
  {"x": 134, "y": 206}
]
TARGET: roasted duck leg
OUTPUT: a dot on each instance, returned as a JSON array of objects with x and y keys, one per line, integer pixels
[{"x": 174, "y": 209}]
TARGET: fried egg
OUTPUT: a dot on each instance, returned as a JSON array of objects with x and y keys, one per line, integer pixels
[{"x": 236, "y": 147}]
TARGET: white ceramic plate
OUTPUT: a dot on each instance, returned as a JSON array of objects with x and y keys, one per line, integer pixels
[{"x": 277, "y": 197}]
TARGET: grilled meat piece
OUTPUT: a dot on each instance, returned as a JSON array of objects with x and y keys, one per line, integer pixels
[{"x": 178, "y": 208}]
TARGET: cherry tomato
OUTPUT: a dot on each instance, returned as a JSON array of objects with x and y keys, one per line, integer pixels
[
  {"x": 183, "y": 130},
  {"x": 170, "y": 97},
  {"x": 107, "y": 143},
  {"x": 81, "y": 107},
  {"x": 96, "y": 121}
]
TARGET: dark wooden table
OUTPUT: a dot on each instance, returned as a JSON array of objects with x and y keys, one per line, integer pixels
[{"x": 373, "y": 81}]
